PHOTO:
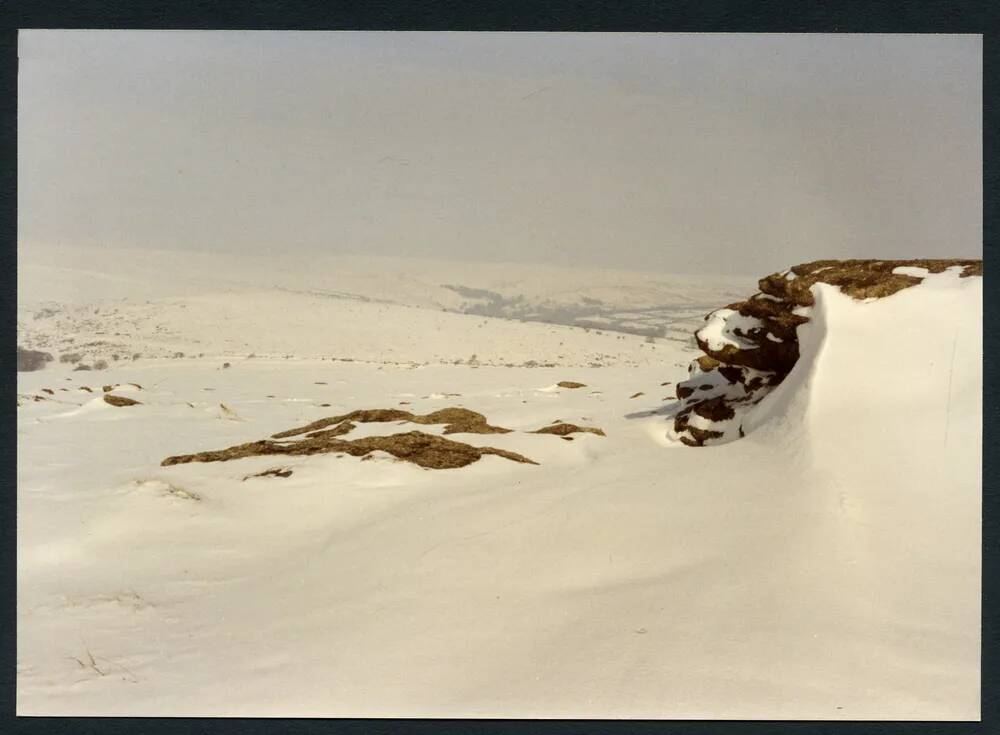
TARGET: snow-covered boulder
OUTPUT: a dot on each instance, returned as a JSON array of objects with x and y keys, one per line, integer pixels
[{"x": 751, "y": 346}]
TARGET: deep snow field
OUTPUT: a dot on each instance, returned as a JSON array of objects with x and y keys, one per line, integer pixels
[{"x": 826, "y": 566}]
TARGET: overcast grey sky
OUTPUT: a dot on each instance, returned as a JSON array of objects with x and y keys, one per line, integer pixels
[{"x": 677, "y": 153}]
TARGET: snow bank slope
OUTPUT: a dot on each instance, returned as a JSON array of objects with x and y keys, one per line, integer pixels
[
  {"x": 753, "y": 345},
  {"x": 904, "y": 368}
]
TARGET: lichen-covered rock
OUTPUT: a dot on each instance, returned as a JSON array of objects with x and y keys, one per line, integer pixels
[
  {"x": 861, "y": 279},
  {"x": 750, "y": 346}
]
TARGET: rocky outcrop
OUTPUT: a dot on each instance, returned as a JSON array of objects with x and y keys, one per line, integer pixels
[
  {"x": 456, "y": 421},
  {"x": 750, "y": 346},
  {"x": 425, "y": 450}
]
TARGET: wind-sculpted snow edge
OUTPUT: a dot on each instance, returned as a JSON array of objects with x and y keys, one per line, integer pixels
[{"x": 751, "y": 346}]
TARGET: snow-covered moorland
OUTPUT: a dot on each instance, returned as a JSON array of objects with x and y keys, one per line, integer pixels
[{"x": 826, "y": 565}]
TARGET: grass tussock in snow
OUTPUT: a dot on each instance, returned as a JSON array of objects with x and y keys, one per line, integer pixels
[
  {"x": 424, "y": 450},
  {"x": 570, "y": 384},
  {"x": 273, "y": 472},
  {"x": 120, "y": 401},
  {"x": 562, "y": 429}
]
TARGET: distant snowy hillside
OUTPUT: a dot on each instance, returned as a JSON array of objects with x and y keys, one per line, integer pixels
[{"x": 141, "y": 287}]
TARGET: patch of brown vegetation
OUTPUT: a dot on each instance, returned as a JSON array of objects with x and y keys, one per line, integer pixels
[
  {"x": 564, "y": 429},
  {"x": 570, "y": 384},
  {"x": 344, "y": 427},
  {"x": 456, "y": 420},
  {"x": 636, "y": 395},
  {"x": 273, "y": 472},
  {"x": 424, "y": 450},
  {"x": 23, "y": 398},
  {"x": 120, "y": 400}
]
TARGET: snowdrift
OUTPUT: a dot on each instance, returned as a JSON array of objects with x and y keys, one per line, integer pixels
[{"x": 751, "y": 346}]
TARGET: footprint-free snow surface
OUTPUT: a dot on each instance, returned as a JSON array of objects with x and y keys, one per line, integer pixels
[{"x": 824, "y": 566}]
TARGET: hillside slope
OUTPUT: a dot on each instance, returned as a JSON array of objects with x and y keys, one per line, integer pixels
[{"x": 826, "y": 566}]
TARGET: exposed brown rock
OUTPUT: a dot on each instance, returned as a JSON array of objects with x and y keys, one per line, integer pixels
[
  {"x": 714, "y": 409},
  {"x": 120, "y": 400},
  {"x": 731, "y": 373},
  {"x": 456, "y": 420},
  {"x": 862, "y": 279},
  {"x": 564, "y": 429},
  {"x": 698, "y": 437},
  {"x": 273, "y": 472},
  {"x": 425, "y": 450},
  {"x": 570, "y": 384}
]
